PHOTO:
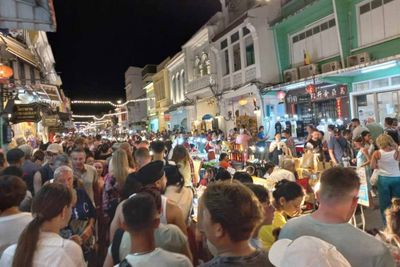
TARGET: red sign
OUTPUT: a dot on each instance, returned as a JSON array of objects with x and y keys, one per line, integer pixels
[{"x": 167, "y": 117}]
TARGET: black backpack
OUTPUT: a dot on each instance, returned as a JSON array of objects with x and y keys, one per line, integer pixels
[{"x": 116, "y": 243}]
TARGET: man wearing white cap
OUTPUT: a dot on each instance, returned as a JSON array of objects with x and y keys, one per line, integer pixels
[
  {"x": 46, "y": 173},
  {"x": 338, "y": 199},
  {"x": 306, "y": 251}
]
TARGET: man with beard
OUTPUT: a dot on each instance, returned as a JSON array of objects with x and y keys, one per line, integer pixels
[{"x": 46, "y": 173}]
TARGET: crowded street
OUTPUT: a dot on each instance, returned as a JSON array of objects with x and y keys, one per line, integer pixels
[{"x": 213, "y": 133}]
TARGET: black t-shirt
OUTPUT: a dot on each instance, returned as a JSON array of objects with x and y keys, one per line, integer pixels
[{"x": 47, "y": 173}]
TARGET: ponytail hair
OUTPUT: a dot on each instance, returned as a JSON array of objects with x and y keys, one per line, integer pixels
[
  {"x": 48, "y": 203},
  {"x": 288, "y": 190}
]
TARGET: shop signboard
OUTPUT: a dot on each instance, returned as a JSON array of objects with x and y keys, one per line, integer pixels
[
  {"x": 322, "y": 94},
  {"x": 363, "y": 198},
  {"x": 50, "y": 120},
  {"x": 26, "y": 113}
]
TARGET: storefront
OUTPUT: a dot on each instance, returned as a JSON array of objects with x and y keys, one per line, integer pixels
[
  {"x": 377, "y": 99},
  {"x": 319, "y": 104},
  {"x": 206, "y": 111}
]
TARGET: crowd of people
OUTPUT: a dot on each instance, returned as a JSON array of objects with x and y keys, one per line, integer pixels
[{"x": 87, "y": 201}]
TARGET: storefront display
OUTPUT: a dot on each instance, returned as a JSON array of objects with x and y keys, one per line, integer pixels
[{"x": 318, "y": 103}]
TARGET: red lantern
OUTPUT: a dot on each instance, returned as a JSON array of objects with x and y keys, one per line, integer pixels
[
  {"x": 5, "y": 72},
  {"x": 281, "y": 95},
  {"x": 310, "y": 88}
]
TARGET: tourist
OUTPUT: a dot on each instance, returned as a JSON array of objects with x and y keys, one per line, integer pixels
[
  {"x": 224, "y": 161},
  {"x": 277, "y": 148},
  {"x": 85, "y": 174},
  {"x": 386, "y": 161},
  {"x": 374, "y": 128},
  {"x": 151, "y": 174},
  {"x": 228, "y": 215},
  {"x": 181, "y": 157},
  {"x": 276, "y": 174},
  {"x": 262, "y": 195},
  {"x": 114, "y": 182},
  {"x": 261, "y": 143},
  {"x": 288, "y": 198},
  {"x": 46, "y": 172},
  {"x": 15, "y": 157},
  {"x": 82, "y": 220},
  {"x": 38, "y": 158},
  {"x": 167, "y": 236},
  {"x": 141, "y": 219},
  {"x": 337, "y": 146},
  {"x": 28, "y": 167},
  {"x": 142, "y": 157},
  {"x": 290, "y": 144},
  {"x": 12, "y": 220},
  {"x": 52, "y": 210},
  {"x": 357, "y": 129},
  {"x": 338, "y": 199},
  {"x": 391, "y": 130}
]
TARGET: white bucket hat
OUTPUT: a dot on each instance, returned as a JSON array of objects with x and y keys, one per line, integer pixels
[{"x": 306, "y": 251}]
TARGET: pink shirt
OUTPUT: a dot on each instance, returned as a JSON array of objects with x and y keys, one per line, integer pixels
[{"x": 243, "y": 139}]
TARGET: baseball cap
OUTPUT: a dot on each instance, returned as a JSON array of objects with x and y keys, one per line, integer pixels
[
  {"x": 55, "y": 148},
  {"x": 306, "y": 251}
]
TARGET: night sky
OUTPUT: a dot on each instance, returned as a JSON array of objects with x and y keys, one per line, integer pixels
[{"x": 97, "y": 40}]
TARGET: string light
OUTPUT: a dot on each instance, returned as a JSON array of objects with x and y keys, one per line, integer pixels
[
  {"x": 98, "y": 119},
  {"x": 95, "y": 102}
]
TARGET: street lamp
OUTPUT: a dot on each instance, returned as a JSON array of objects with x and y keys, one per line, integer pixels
[
  {"x": 5, "y": 73},
  {"x": 119, "y": 102}
]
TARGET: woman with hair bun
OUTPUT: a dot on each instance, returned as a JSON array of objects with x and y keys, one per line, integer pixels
[
  {"x": 40, "y": 243},
  {"x": 288, "y": 198}
]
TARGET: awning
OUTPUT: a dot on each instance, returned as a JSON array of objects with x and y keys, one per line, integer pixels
[
  {"x": 18, "y": 49},
  {"x": 207, "y": 117},
  {"x": 378, "y": 68},
  {"x": 48, "y": 93}
]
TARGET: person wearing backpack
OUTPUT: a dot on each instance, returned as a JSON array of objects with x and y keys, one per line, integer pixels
[{"x": 141, "y": 218}]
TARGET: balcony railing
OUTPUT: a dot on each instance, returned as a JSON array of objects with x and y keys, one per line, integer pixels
[{"x": 200, "y": 83}]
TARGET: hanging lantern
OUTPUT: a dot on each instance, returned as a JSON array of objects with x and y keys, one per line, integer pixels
[
  {"x": 310, "y": 89},
  {"x": 5, "y": 72},
  {"x": 281, "y": 95},
  {"x": 243, "y": 101}
]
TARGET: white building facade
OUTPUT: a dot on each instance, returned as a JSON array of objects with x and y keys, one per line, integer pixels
[
  {"x": 247, "y": 61},
  {"x": 181, "y": 107},
  {"x": 137, "y": 111},
  {"x": 201, "y": 75}
]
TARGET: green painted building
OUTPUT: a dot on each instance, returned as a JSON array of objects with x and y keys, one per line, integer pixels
[{"x": 347, "y": 45}]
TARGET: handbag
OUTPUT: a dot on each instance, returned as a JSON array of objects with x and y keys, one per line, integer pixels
[{"x": 374, "y": 177}]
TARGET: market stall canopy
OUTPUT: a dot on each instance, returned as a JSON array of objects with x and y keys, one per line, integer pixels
[
  {"x": 17, "y": 48},
  {"x": 36, "y": 15},
  {"x": 207, "y": 117}
]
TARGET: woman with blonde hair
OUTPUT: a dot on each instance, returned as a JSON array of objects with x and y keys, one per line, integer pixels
[
  {"x": 386, "y": 161},
  {"x": 181, "y": 157},
  {"x": 114, "y": 182}
]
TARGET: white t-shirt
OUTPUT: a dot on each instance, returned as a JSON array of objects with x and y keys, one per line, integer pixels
[
  {"x": 159, "y": 258},
  {"x": 11, "y": 228},
  {"x": 279, "y": 174},
  {"x": 167, "y": 236},
  {"x": 51, "y": 250}
]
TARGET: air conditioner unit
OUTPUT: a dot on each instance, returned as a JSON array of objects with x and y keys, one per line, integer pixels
[
  {"x": 363, "y": 58},
  {"x": 290, "y": 75},
  {"x": 331, "y": 66},
  {"x": 355, "y": 60},
  {"x": 308, "y": 70}
]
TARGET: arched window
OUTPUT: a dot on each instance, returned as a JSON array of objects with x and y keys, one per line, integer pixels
[
  {"x": 182, "y": 95},
  {"x": 173, "y": 90},
  {"x": 178, "y": 87}
]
